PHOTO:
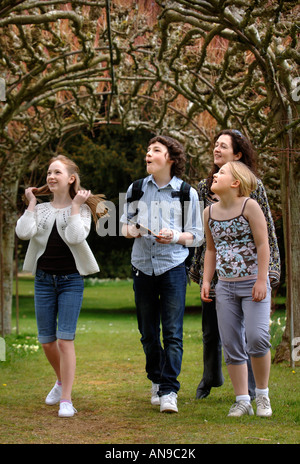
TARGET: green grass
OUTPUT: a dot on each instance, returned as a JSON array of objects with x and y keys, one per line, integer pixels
[{"x": 111, "y": 392}]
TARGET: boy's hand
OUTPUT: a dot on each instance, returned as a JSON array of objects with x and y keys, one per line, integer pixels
[
  {"x": 165, "y": 236},
  {"x": 133, "y": 231},
  {"x": 259, "y": 290}
]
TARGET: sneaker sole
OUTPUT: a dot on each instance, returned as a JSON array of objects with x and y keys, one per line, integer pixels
[
  {"x": 170, "y": 410},
  {"x": 264, "y": 415},
  {"x": 240, "y": 415},
  {"x": 246, "y": 413},
  {"x": 66, "y": 415}
]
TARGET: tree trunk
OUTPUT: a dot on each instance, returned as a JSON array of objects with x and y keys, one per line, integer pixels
[
  {"x": 9, "y": 217},
  {"x": 290, "y": 190}
]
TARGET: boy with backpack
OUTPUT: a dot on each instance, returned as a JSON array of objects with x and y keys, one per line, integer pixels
[{"x": 164, "y": 224}]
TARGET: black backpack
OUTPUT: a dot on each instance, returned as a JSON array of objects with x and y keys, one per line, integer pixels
[{"x": 183, "y": 194}]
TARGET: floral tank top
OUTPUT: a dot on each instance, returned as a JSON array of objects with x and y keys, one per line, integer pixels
[{"x": 236, "y": 256}]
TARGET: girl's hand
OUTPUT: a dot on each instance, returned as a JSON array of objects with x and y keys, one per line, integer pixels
[
  {"x": 29, "y": 194},
  {"x": 31, "y": 198},
  {"x": 81, "y": 197},
  {"x": 259, "y": 290},
  {"x": 205, "y": 292}
]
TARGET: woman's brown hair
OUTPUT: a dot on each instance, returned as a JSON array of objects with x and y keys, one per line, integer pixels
[{"x": 240, "y": 144}]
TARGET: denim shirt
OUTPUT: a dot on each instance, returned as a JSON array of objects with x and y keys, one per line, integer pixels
[{"x": 157, "y": 209}]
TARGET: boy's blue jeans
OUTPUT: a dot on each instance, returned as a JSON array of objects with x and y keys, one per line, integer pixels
[{"x": 161, "y": 298}]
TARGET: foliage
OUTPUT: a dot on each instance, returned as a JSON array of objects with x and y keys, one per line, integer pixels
[
  {"x": 201, "y": 66},
  {"x": 113, "y": 156},
  {"x": 186, "y": 68},
  {"x": 109, "y": 160},
  {"x": 20, "y": 346}
]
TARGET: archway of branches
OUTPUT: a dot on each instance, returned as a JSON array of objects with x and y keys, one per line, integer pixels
[{"x": 177, "y": 67}]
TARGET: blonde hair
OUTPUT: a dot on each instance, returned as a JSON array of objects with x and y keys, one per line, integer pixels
[
  {"x": 245, "y": 176},
  {"x": 95, "y": 202}
]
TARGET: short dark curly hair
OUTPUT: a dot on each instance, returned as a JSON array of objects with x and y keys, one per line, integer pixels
[{"x": 176, "y": 152}]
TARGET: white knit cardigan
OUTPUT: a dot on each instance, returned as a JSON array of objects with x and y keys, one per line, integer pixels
[{"x": 37, "y": 225}]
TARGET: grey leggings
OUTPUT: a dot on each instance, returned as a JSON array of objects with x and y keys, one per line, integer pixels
[{"x": 243, "y": 323}]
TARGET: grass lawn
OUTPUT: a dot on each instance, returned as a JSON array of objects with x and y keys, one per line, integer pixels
[{"x": 111, "y": 392}]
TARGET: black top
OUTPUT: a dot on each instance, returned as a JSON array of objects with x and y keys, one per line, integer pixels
[{"x": 57, "y": 258}]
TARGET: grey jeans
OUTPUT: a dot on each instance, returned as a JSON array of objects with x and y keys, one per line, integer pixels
[{"x": 243, "y": 323}]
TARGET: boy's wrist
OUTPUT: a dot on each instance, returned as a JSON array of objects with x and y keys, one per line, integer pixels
[{"x": 176, "y": 236}]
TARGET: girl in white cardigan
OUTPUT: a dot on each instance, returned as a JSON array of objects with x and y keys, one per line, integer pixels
[{"x": 59, "y": 256}]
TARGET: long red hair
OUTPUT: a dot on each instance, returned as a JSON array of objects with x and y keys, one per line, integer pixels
[{"x": 95, "y": 202}]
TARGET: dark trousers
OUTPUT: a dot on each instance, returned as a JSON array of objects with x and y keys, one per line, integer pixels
[
  {"x": 161, "y": 299},
  {"x": 212, "y": 352}
]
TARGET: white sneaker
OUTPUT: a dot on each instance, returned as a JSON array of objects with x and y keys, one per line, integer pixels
[
  {"x": 155, "y": 400},
  {"x": 66, "y": 409},
  {"x": 263, "y": 406},
  {"x": 54, "y": 395},
  {"x": 240, "y": 408},
  {"x": 168, "y": 403}
]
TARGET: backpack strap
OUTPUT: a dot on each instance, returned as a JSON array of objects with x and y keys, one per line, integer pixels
[
  {"x": 184, "y": 196},
  {"x": 136, "y": 194},
  {"x": 137, "y": 191}
]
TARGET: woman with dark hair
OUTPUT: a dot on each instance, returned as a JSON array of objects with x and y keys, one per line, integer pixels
[{"x": 230, "y": 145}]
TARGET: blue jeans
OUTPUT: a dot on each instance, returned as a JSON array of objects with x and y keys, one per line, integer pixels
[
  {"x": 58, "y": 300},
  {"x": 161, "y": 298}
]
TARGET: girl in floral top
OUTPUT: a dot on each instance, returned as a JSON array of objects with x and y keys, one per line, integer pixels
[
  {"x": 230, "y": 145},
  {"x": 238, "y": 248}
]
